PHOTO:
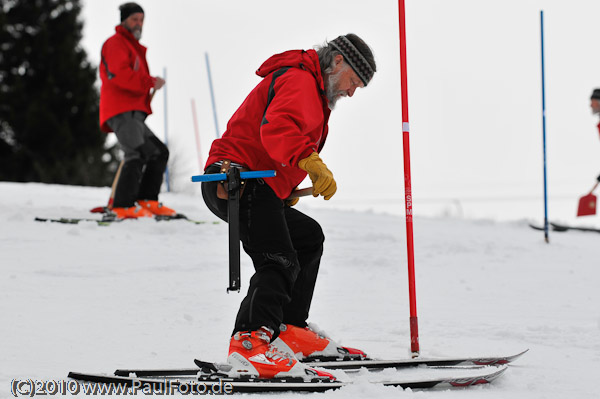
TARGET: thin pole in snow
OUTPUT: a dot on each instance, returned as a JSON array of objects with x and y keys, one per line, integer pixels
[
  {"x": 414, "y": 329},
  {"x": 197, "y": 132},
  {"x": 166, "y": 128},
  {"x": 212, "y": 94},
  {"x": 544, "y": 130}
]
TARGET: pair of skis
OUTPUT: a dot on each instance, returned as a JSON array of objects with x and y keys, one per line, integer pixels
[
  {"x": 109, "y": 218},
  {"x": 450, "y": 372}
]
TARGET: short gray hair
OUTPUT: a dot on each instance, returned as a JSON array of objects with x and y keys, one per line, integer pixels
[{"x": 326, "y": 54}]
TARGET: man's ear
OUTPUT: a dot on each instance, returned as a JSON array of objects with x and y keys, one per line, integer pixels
[{"x": 337, "y": 60}]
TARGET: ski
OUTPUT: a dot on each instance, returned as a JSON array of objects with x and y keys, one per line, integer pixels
[
  {"x": 108, "y": 219},
  {"x": 351, "y": 365},
  {"x": 535, "y": 227},
  {"x": 404, "y": 363},
  {"x": 181, "y": 216},
  {"x": 562, "y": 228},
  {"x": 173, "y": 385},
  {"x": 212, "y": 375},
  {"x": 105, "y": 221}
]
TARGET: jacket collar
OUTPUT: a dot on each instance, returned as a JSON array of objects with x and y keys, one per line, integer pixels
[{"x": 128, "y": 35}]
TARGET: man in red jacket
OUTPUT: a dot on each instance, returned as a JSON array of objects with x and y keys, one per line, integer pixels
[
  {"x": 595, "y": 106},
  {"x": 124, "y": 105},
  {"x": 282, "y": 126}
]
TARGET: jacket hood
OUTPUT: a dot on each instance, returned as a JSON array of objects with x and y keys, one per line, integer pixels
[{"x": 303, "y": 59}]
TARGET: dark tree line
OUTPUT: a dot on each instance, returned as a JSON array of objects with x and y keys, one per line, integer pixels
[{"x": 49, "y": 128}]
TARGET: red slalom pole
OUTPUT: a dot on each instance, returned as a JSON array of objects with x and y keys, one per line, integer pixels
[
  {"x": 197, "y": 133},
  {"x": 414, "y": 325}
]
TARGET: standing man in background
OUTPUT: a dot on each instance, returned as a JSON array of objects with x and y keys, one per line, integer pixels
[
  {"x": 595, "y": 105},
  {"x": 124, "y": 105}
]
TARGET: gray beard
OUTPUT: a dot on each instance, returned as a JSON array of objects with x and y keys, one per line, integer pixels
[
  {"x": 331, "y": 91},
  {"x": 136, "y": 32}
]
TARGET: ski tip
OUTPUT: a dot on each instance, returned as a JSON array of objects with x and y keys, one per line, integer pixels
[
  {"x": 512, "y": 358},
  {"x": 500, "y": 360},
  {"x": 501, "y": 369},
  {"x": 478, "y": 380},
  {"x": 519, "y": 354}
]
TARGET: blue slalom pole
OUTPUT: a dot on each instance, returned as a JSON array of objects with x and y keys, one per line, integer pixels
[
  {"x": 544, "y": 131},
  {"x": 166, "y": 129},
  {"x": 212, "y": 94}
]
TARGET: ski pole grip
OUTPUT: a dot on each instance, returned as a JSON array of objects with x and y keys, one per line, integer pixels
[
  {"x": 303, "y": 192},
  {"x": 253, "y": 174}
]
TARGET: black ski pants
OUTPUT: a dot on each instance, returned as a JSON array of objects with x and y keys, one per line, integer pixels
[
  {"x": 285, "y": 246},
  {"x": 145, "y": 159}
]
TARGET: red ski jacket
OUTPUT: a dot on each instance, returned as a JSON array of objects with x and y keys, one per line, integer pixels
[
  {"x": 126, "y": 80},
  {"x": 283, "y": 120}
]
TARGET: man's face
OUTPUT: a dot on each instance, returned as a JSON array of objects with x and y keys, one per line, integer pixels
[
  {"x": 595, "y": 105},
  {"x": 341, "y": 82},
  {"x": 134, "y": 24}
]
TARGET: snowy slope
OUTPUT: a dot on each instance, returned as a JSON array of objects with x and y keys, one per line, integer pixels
[{"x": 152, "y": 294}]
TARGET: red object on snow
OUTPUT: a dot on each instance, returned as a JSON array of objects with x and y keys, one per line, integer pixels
[{"x": 587, "y": 205}]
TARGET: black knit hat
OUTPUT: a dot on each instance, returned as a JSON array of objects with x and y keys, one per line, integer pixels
[
  {"x": 357, "y": 54},
  {"x": 129, "y": 8},
  {"x": 596, "y": 94}
]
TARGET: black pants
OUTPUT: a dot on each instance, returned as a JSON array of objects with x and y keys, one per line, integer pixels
[
  {"x": 145, "y": 159},
  {"x": 285, "y": 246}
]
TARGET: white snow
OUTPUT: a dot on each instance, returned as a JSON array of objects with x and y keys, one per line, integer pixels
[{"x": 152, "y": 294}]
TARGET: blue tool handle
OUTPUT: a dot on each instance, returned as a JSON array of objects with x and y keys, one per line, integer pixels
[{"x": 253, "y": 174}]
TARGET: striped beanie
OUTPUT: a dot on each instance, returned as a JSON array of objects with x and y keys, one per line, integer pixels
[{"x": 357, "y": 54}]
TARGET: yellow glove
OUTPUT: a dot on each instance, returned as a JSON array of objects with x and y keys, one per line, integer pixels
[
  {"x": 322, "y": 178},
  {"x": 292, "y": 201}
]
